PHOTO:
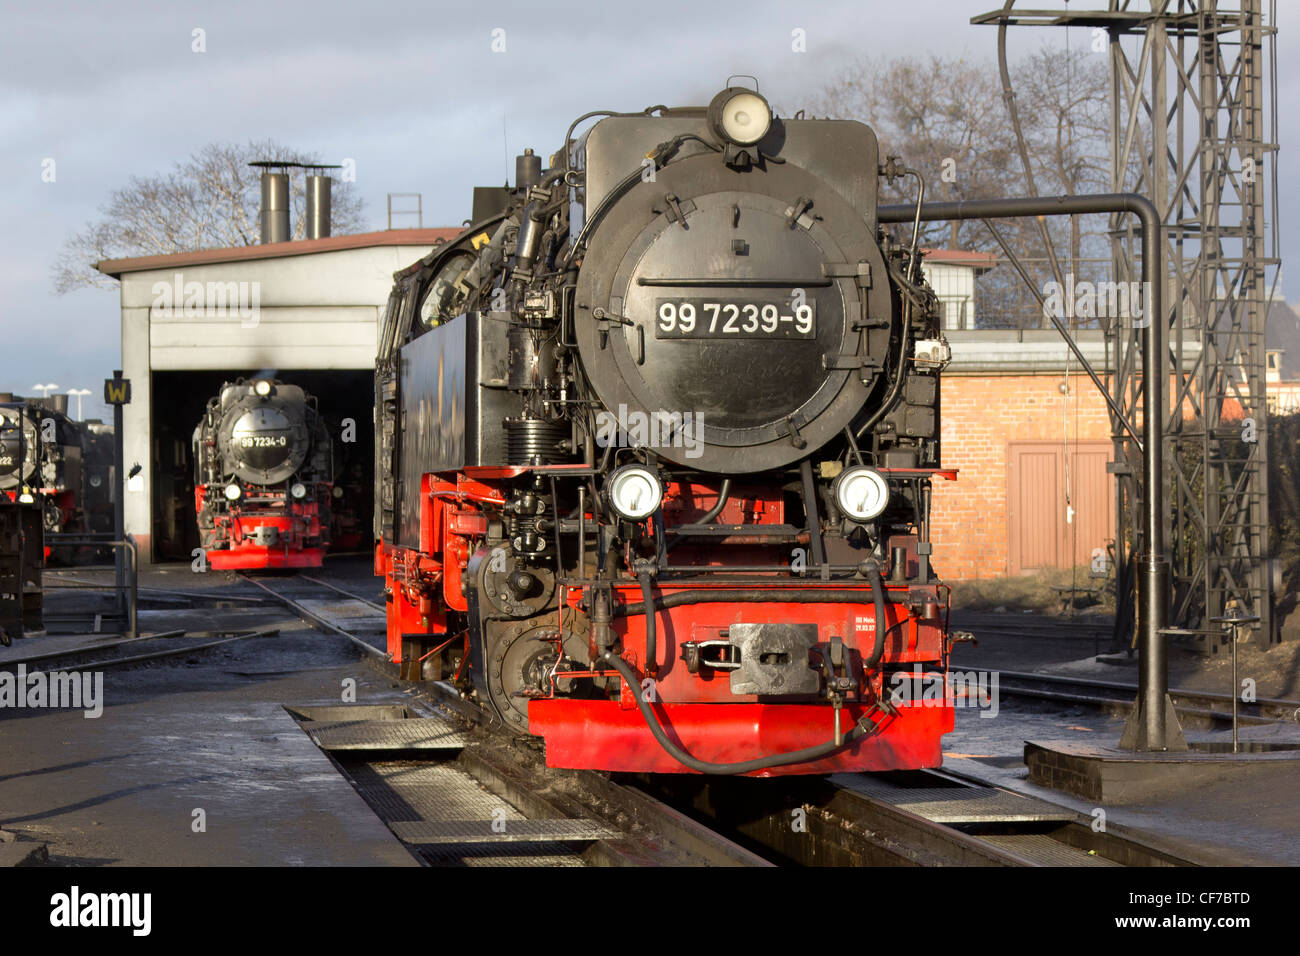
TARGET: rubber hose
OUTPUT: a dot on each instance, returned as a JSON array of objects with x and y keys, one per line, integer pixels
[
  {"x": 721, "y": 769},
  {"x": 878, "y": 596}
]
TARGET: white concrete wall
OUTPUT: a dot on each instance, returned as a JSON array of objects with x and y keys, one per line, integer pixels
[
  {"x": 316, "y": 311},
  {"x": 955, "y": 287}
]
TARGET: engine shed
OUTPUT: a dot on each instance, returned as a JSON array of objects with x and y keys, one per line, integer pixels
[{"x": 305, "y": 311}]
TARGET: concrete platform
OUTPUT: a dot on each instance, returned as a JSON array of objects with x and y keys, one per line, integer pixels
[
  {"x": 206, "y": 733},
  {"x": 1109, "y": 775}
]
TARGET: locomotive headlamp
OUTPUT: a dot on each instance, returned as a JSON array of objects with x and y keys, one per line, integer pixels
[
  {"x": 262, "y": 388},
  {"x": 26, "y": 498},
  {"x": 862, "y": 493},
  {"x": 298, "y": 489},
  {"x": 634, "y": 492},
  {"x": 336, "y": 491},
  {"x": 740, "y": 116},
  {"x": 233, "y": 492}
]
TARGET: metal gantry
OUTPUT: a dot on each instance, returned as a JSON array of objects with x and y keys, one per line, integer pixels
[{"x": 1190, "y": 86}]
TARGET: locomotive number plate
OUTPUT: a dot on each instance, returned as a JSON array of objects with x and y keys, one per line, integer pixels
[
  {"x": 715, "y": 319},
  {"x": 263, "y": 441}
]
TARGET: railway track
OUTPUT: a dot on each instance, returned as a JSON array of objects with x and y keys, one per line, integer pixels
[
  {"x": 121, "y": 652},
  {"x": 1117, "y": 697},
  {"x": 457, "y": 792},
  {"x": 915, "y": 818},
  {"x": 457, "y": 789},
  {"x": 318, "y": 603}
]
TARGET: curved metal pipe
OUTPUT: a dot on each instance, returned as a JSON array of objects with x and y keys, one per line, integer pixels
[
  {"x": 724, "y": 492},
  {"x": 896, "y": 389},
  {"x": 1153, "y": 591}
]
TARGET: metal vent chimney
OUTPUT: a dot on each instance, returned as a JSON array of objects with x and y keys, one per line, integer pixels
[
  {"x": 318, "y": 204},
  {"x": 274, "y": 219}
]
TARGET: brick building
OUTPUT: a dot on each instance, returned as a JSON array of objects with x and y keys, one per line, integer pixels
[
  {"x": 1027, "y": 431},
  {"x": 1030, "y": 437}
]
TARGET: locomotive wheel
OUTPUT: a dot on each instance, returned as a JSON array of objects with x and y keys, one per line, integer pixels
[{"x": 520, "y": 658}]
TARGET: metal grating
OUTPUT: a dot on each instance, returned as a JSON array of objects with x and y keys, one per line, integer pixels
[
  {"x": 952, "y": 805},
  {"x": 429, "y": 733},
  {"x": 1042, "y": 849},
  {"x": 408, "y": 793},
  {"x": 500, "y": 831}
]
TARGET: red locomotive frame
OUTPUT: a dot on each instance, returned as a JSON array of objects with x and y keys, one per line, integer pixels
[
  {"x": 702, "y": 716},
  {"x": 291, "y": 522}
]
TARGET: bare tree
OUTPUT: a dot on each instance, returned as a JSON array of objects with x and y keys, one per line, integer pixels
[
  {"x": 209, "y": 201},
  {"x": 1064, "y": 107},
  {"x": 948, "y": 119},
  {"x": 943, "y": 117}
]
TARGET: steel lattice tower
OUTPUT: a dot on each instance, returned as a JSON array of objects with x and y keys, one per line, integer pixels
[{"x": 1189, "y": 131}]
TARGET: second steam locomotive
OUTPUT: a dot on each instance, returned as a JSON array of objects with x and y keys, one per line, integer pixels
[
  {"x": 63, "y": 462},
  {"x": 263, "y": 477},
  {"x": 655, "y": 444}
]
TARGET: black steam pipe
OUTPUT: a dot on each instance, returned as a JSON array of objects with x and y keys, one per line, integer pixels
[
  {"x": 812, "y": 514},
  {"x": 724, "y": 492},
  {"x": 651, "y": 631},
  {"x": 1153, "y": 573},
  {"x": 804, "y": 595}
]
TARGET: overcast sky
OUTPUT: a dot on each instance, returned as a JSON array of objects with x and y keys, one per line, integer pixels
[{"x": 412, "y": 92}]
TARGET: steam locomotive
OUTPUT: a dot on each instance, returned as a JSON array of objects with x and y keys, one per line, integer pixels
[
  {"x": 263, "y": 477},
  {"x": 655, "y": 443},
  {"x": 52, "y": 461}
]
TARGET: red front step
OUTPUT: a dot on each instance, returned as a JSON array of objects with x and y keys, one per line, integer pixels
[{"x": 603, "y": 735}]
